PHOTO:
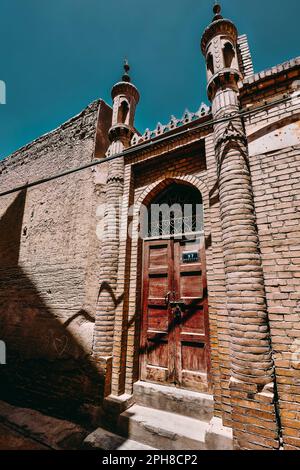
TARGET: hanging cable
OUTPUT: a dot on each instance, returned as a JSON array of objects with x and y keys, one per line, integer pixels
[{"x": 143, "y": 146}]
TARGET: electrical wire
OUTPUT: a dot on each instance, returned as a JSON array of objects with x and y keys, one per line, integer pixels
[{"x": 145, "y": 145}]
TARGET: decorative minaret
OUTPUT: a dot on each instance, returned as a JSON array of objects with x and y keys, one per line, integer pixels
[
  {"x": 125, "y": 98},
  {"x": 252, "y": 370}
]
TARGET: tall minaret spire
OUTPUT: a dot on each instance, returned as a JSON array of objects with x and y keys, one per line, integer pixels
[
  {"x": 125, "y": 98},
  {"x": 252, "y": 370},
  {"x": 219, "y": 46}
]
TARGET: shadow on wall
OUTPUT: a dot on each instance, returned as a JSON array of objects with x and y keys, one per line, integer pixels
[{"x": 47, "y": 366}]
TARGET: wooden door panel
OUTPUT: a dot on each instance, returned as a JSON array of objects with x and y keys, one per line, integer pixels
[
  {"x": 157, "y": 369},
  {"x": 195, "y": 381},
  {"x": 193, "y": 338},
  {"x": 157, "y": 353},
  {"x": 158, "y": 256},
  {"x": 156, "y": 347},
  {"x": 158, "y": 287},
  {"x": 193, "y": 356},
  {"x": 190, "y": 287},
  {"x": 175, "y": 349},
  {"x": 193, "y": 320},
  {"x": 157, "y": 375},
  {"x": 158, "y": 318},
  {"x": 194, "y": 365}
]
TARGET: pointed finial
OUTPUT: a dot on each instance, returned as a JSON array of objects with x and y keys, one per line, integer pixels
[
  {"x": 126, "y": 77},
  {"x": 217, "y": 10}
]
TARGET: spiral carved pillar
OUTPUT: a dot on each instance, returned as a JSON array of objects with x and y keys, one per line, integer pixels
[
  {"x": 109, "y": 256},
  {"x": 125, "y": 98},
  {"x": 248, "y": 321},
  {"x": 252, "y": 385}
]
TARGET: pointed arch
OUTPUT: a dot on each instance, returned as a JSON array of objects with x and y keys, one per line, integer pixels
[
  {"x": 123, "y": 112},
  {"x": 228, "y": 55},
  {"x": 157, "y": 187},
  {"x": 210, "y": 64}
]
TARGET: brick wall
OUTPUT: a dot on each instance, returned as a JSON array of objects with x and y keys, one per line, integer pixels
[
  {"x": 274, "y": 144},
  {"x": 48, "y": 266},
  {"x": 277, "y": 200}
]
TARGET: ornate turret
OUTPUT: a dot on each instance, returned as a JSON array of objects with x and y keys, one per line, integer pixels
[
  {"x": 125, "y": 98},
  {"x": 252, "y": 370},
  {"x": 219, "y": 47}
]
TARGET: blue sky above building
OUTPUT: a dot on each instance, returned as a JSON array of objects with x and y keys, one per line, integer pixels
[{"x": 57, "y": 56}]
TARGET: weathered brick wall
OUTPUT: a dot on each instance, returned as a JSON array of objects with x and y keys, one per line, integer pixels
[
  {"x": 218, "y": 313},
  {"x": 274, "y": 136},
  {"x": 49, "y": 265}
]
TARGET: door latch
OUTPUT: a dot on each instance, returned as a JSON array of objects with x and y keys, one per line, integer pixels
[
  {"x": 178, "y": 304},
  {"x": 177, "y": 313},
  {"x": 167, "y": 298}
]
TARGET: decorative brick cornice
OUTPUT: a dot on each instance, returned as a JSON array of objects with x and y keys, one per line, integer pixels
[
  {"x": 279, "y": 74},
  {"x": 173, "y": 125}
]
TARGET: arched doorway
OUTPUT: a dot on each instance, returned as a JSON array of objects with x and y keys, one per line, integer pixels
[{"x": 174, "y": 343}]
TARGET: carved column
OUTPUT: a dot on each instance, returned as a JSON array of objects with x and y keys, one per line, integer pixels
[
  {"x": 251, "y": 356},
  {"x": 125, "y": 98},
  {"x": 109, "y": 257},
  {"x": 250, "y": 339},
  {"x": 252, "y": 383}
]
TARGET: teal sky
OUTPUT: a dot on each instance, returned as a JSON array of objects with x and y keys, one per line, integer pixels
[{"x": 59, "y": 55}]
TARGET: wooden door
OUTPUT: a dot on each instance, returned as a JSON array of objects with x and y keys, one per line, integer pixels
[
  {"x": 192, "y": 331},
  {"x": 175, "y": 340},
  {"x": 157, "y": 342}
]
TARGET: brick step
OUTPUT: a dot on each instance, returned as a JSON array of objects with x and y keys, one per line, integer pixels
[
  {"x": 105, "y": 440},
  {"x": 175, "y": 400},
  {"x": 169, "y": 431}
]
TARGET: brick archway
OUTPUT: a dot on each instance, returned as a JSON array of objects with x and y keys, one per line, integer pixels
[
  {"x": 129, "y": 315},
  {"x": 173, "y": 177}
]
